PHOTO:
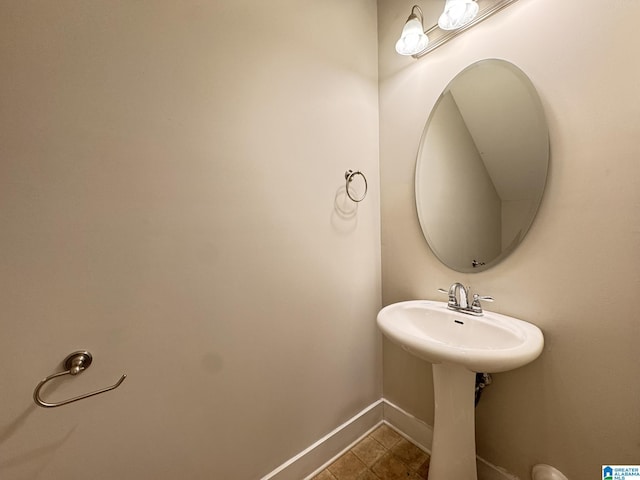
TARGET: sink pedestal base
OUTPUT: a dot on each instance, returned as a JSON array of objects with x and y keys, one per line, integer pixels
[{"x": 453, "y": 453}]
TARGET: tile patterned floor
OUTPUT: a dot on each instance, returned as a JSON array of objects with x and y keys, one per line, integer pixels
[{"x": 382, "y": 455}]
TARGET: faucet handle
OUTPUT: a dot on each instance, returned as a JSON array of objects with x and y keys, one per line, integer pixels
[
  {"x": 476, "y": 307},
  {"x": 486, "y": 298}
]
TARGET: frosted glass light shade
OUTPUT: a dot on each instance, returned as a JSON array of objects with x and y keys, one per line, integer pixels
[
  {"x": 413, "y": 39},
  {"x": 457, "y": 13}
]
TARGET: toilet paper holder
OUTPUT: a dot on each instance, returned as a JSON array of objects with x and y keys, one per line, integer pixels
[{"x": 75, "y": 363}]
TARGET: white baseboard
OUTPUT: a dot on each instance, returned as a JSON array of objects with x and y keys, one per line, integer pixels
[
  {"x": 421, "y": 434},
  {"x": 325, "y": 451},
  {"x": 407, "y": 425},
  {"x": 315, "y": 458},
  {"x": 488, "y": 471}
]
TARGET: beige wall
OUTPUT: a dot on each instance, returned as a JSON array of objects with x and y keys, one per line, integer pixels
[
  {"x": 576, "y": 274},
  {"x": 168, "y": 176}
]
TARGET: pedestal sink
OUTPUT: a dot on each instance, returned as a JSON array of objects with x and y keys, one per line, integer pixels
[{"x": 458, "y": 345}]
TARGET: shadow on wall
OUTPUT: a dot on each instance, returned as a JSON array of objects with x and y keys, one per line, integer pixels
[
  {"x": 37, "y": 457},
  {"x": 344, "y": 218}
]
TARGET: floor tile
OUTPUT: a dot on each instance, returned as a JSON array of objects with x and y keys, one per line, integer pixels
[
  {"x": 386, "y": 435},
  {"x": 409, "y": 454},
  {"x": 391, "y": 467},
  {"x": 423, "y": 470},
  {"x": 347, "y": 467},
  {"x": 382, "y": 455},
  {"x": 324, "y": 475},
  {"x": 368, "y": 475},
  {"x": 369, "y": 450}
]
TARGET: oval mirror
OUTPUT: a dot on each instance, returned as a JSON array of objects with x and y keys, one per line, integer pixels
[{"x": 482, "y": 166}]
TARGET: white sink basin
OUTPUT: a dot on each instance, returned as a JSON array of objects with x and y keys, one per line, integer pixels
[
  {"x": 490, "y": 343},
  {"x": 457, "y": 345}
]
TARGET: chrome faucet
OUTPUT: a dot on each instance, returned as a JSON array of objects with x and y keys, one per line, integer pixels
[
  {"x": 459, "y": 299},
  {"x": 455, "y": 290}
]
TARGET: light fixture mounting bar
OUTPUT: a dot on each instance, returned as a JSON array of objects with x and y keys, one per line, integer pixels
[{"x": 482, "y": 15}]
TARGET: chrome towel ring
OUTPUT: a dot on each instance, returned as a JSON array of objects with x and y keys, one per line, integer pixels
[
  {"x": 75, "y": 363},
  {"x": 348, "y": 175}
]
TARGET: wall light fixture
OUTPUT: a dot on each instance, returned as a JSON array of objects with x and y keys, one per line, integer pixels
[
  {"x": 413, "y": 38},
  {"x": 457, "y": 17},
  {"x": 457, "y": 13}
]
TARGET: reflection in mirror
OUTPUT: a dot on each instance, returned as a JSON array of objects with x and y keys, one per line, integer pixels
[{"x": 482, "y": 166}]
